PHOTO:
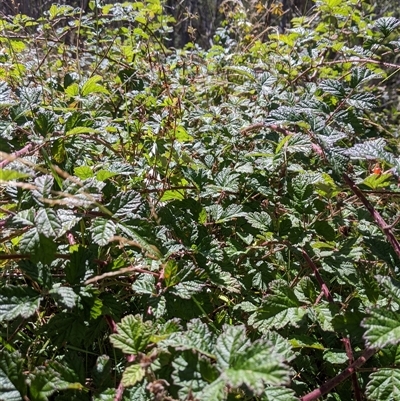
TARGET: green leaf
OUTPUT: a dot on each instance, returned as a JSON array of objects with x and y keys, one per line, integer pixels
[
  {"x": 192, "y": 372},
  {"x": 125, "y": 204},
  {"x": 102, "y": 230},
  {"x": 11, "y": 175},
  {"x": 45, "y": 381},
  {"x": 259, "y": 220},
  {"x": 133, "y": 335},
  {"x": 48, "y": 223},
  {"x": 18, "y": 301},
  {"x": 383, "y": 328},
  {"x": 79, "y": 264},
  {"x": 170, "y": 194},
  {"x": 81, "y": 130},
  {"x": 92, "y": 86},
  {"x": 197, "y": 338},
  {"x": 38, "y": 247},
  {"x": 278, "y": 394},
  {"x": 64, "y": 296},
  {"x": 182, "y": 135},
  {"x": 257, "y": 367},
  {"x": 376, "y": 181},
  {"x": 132, "y": 375},
  {"x": 387, "y": 25},
  {"x": 230, "y": 343},
  {"x": 325, "y": 230},
  {"x": 384, "y": 385},
  {"x": 12, "y": 377},
  {"x": 83, "y": 172},
  {"x": 103, "y": 175},
  {"x": 215, "y": 391}
]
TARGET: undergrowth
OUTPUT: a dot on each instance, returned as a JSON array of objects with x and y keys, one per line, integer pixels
[{"x": 198, "y": 225}]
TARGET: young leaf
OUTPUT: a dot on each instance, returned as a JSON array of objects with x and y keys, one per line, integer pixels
[
  {"x": 132, "y": 375},
  {"x": 133, "y": 335},
  {"x": 11, "y": 175},
  {"x": 92, "y": 86}
]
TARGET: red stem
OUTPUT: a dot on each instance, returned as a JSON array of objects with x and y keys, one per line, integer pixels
[
  {"x": 26, "y": 149},
  {"x": 320, "y": 280},
  {"x": 341, "y": 377},
  {"x": 375, "y": 214}
]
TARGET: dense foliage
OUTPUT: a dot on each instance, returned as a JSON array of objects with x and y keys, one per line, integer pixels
[{"x": 199, "y": 225}]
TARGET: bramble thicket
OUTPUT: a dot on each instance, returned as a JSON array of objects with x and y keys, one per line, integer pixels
[{"x": 199, "y": 224}]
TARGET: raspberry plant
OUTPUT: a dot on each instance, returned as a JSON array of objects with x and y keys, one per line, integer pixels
[{"x": 189, "y": 224}]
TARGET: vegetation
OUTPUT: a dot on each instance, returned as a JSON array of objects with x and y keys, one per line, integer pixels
[{"x": 199, "y": 224}]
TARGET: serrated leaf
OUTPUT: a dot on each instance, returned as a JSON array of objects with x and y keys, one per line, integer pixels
[
  {"x": 102, "y": 230},
  {"x": 387, "y": 25},
  {"x": 376, "y": 181},
  {"x": 37, "y": 246},
  {"x": 361, "y": 75},
  {"x": 278, "y": 394},
  {"x": 197, "y": 338},
  {"x": 383, "y": 328},
  {"x": 133, "y": 335},
  {"x": 83, "y": 172},
  {"x": 48, "y": 223},
  {"x": 12, "y": 378},
  {"x": 281, "y": 308},
  {"x": 334, "y": 87},
  {"x": 259, "y": 220},
  {"x": 384, "y": 385},
  {"x": 186, "y": 289},
  {"x": 216, "y": 391},
  {"x": 43, "y": 189},
  {"x": 370, "y": 150},
  {"x": 231, "y": 212},
  {"x": 64, "y": 296},
  {"x": 18, "y": 301},
  {"x": 230, "y": 343},
  {"x": 45, "y": 381},
  {"x": 257, "y": 367},
  {"x": 125, "y": 203},
  {"x": 132, "y": 375}
]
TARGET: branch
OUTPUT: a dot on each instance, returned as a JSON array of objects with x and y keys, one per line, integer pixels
[
  {"x": 320, "y": 280},
  {"x": 119, "y": 272},
  {"x": 341, "y": 377},
  {"x": 9, "y": 158},
  {"x": 375, "y": 214}
]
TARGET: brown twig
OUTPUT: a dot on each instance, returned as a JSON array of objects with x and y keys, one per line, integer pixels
[
  {"x": 9, "y": 158},
  {"x": 341, "y": 377},
  {"x": 320, "y": 280},
  {"x": 349, "y": 353},
  {"x": 120, "y": 272}
]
